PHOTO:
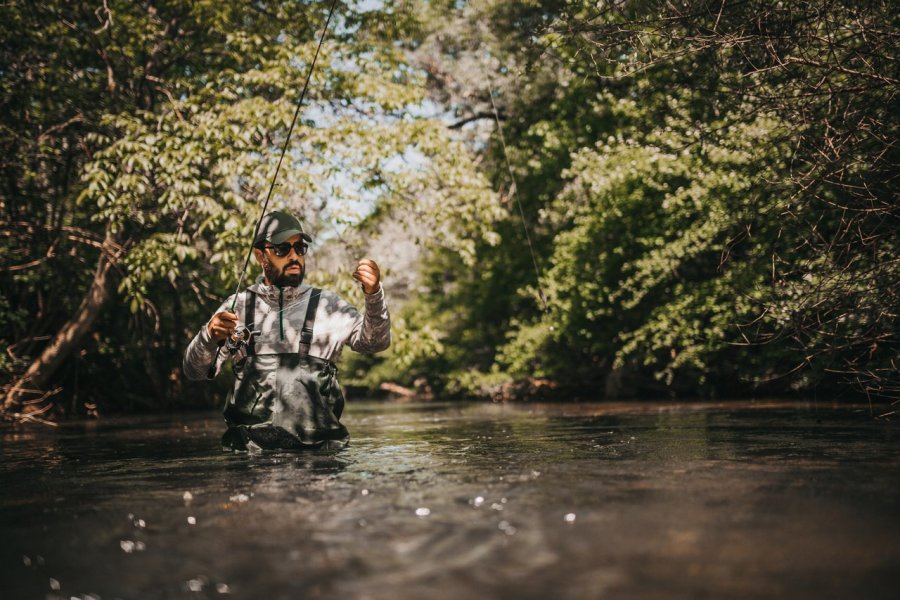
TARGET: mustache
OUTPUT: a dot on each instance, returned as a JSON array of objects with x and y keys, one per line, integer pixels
[{"x": 293, "y": 263}]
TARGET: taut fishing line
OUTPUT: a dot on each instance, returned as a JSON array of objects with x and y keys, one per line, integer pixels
[
  {"x": 284, "y": 147},
  {"x": 514, "y": 192}
]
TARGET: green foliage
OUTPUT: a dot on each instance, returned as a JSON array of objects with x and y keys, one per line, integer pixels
[
  {"x": 637, "y": 273},
  {"x": 696, "y": 203},
  {"x": 705, "y": 220},
  {"x": 178, "y": 137}
]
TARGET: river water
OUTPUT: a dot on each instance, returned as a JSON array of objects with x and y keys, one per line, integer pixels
[{"x": 450, "y": 501}]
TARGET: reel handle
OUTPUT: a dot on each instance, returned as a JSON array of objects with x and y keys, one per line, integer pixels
[{"x": 211, "y": 372}]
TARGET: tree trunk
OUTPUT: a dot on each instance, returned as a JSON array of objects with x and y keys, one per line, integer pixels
[{"x": 67, "y": 339}]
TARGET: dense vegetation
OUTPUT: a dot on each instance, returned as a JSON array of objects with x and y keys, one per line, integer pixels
[{"x": 709, "y": 189}]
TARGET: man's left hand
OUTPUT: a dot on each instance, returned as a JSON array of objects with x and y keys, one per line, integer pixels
[{"x": 368, "y": 275}]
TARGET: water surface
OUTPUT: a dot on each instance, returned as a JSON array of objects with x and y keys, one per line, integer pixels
[{"x": 448, "y": 501}]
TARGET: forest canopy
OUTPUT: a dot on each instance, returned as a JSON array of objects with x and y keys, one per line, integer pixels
[{"x": 708, "y": 189}]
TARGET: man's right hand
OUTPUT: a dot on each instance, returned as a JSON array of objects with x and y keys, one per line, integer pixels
[{"x": 222, "y": 325}]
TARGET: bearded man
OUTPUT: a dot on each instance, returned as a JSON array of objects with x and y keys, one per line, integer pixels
[{"x": 286, "y": 394}]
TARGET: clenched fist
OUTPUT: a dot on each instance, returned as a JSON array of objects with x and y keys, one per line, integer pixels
[{"x": 368, "y": 275}]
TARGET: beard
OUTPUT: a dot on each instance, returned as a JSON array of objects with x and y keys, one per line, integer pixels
[{"x": 278, "y": 277}]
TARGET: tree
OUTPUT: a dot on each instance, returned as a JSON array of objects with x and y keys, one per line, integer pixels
[
  {"x": 711, "y": 186},
  {"x": 171, "y": 147},
  {"x": 829, "y": 69}
]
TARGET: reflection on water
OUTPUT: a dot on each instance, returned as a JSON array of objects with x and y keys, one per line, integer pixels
[{"x": 462, "y": 501}]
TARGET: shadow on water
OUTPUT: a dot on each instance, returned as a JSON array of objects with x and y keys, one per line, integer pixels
[{"x": 644, "y": 500}]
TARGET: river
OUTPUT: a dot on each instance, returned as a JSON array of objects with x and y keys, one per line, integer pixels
[{"x": 450, "y": 501}]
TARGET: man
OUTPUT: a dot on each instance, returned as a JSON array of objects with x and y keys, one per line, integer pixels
[{"x": 286, "y": 394}]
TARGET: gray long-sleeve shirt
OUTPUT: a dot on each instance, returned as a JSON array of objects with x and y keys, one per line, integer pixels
[{"x": 337, "y": 324}]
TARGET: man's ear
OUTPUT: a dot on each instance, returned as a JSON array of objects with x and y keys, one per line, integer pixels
[{"x": 260, "y": 256}]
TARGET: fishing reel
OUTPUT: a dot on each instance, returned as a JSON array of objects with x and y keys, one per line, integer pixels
[
  {"x": 235, "y": 344},
  {"x": 238, "y": 339}
]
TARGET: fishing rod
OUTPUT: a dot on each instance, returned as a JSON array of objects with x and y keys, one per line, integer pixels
[{"x": 238, "y": 338}]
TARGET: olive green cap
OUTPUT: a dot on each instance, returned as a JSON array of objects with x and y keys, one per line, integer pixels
[{"x": 278, "y": 227}]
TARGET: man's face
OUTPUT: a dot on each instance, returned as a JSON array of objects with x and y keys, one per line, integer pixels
[{"x": 283, "y": 271}]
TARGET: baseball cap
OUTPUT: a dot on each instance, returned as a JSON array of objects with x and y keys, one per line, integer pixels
[{"x": 277, "y": 227}]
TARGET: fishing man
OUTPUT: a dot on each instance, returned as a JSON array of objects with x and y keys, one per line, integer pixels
[{"x": 286, "y": 394}]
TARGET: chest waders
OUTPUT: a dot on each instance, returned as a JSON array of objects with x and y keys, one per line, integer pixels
[{"x": 288, "y": 401}]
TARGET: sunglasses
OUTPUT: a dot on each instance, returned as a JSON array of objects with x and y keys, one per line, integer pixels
[{"x": 281, "y": 250}]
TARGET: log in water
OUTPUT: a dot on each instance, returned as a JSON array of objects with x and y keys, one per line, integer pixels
[{"x": 447, "y": 501}]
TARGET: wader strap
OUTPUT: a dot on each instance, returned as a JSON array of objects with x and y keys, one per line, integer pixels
[
  {"x": 250, "y": 321},
  {"x": 306, "y": 333}
]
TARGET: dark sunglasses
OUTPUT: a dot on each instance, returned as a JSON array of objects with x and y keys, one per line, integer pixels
[{"x": 281, "y": 250}]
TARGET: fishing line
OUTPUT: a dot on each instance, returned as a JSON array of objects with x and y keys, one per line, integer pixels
[
  {"x": 284, "y": 148},
  {"x": 514, "y": 192}
]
